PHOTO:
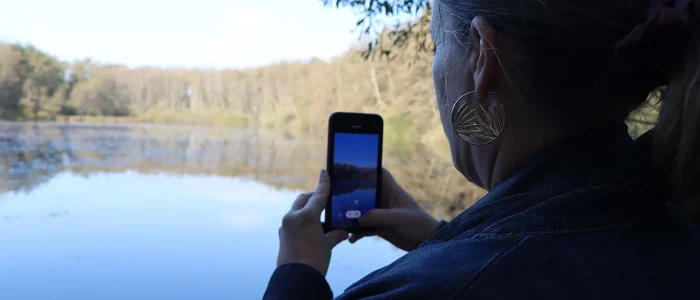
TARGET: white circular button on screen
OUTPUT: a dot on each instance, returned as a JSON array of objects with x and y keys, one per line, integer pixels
[{"x": 353, "y": 214}]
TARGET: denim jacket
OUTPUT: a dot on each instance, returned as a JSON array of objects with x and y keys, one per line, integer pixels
[{"x": 584, "y": 219}]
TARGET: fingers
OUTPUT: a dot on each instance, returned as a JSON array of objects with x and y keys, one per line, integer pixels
[
  {"x": 357, "y": 236},
  {"x": 334, "y": 238},
  {"x": 383, "y": 217},
  {"x": 388, "y": 187},
  {"x": 320, "y": 197},
  {"x": 300, "y": 202}
]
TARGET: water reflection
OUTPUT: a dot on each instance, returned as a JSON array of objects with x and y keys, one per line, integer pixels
[{"x": 33, "y": 153}]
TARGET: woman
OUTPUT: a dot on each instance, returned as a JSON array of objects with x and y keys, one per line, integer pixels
[{"x": 576, "y": 208}]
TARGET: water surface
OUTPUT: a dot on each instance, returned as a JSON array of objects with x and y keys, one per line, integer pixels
[{"x": 159, "y": 212}]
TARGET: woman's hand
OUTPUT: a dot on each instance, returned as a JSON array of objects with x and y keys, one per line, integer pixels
[
  {"x": 400, "y": 219},
  {"x": 302, "y": 239}
]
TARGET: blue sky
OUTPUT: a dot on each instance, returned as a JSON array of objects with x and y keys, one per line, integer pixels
[
  {"x": 174, "y": 33},
  {"x": 357, "y": 149}
]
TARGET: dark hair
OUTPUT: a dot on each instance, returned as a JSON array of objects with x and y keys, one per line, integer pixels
[{"x": 580, "y": 38}]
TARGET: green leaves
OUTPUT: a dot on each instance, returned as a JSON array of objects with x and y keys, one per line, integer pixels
[
  {"x": 380, "y": 7},
  {"x": 374, "y": 15}
]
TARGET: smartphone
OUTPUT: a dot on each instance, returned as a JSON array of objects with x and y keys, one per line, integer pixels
[{"x": 355, "y": 167}]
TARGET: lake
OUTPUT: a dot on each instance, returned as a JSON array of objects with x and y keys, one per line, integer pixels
[{"x": 172, "y": 212}]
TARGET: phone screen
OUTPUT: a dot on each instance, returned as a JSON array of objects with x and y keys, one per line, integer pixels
[{"x": 354, "y": 185}]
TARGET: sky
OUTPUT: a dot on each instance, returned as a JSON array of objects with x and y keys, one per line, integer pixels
[
  {"x": 174, "y": 33},
  {"x": 357, "y": 149}
]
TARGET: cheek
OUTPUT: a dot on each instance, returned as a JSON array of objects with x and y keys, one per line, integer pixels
[
  {"x": 447, "y": 93},
  {"x": 438, "y": 77},
  {"x": 440, "y": 88},
  {"x": 443, "y": 103}
]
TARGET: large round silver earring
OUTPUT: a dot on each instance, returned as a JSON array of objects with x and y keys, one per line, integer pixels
[{"x": 475, "y": 124}]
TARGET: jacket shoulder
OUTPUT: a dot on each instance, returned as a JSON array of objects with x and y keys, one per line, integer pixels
[
  {"x": 437, "y": 271},
  {"x": 626, "y": 263}
]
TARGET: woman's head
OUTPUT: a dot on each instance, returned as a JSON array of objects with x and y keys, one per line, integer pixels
[{"x": 559, "y": 65}]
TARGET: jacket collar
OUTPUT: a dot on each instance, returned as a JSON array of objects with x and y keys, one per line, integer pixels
[{"x": 595, "y": 178}]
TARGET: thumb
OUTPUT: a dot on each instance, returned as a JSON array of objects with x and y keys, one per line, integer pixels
[
  {"x": 335, "y": 237},
  {"x": 388, "y": 184},
  {"x": 387, "y": 178},
  {"x": 383, "y": 217}
]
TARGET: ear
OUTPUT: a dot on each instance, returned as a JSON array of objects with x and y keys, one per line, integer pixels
[{"x": 484, "y": 37}]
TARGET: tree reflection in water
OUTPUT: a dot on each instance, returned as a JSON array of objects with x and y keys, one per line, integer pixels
[{"x": 31, "y": 154}]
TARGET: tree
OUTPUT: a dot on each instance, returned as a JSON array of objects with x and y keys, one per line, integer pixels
[
  {"x": 104, "y": 94},
  {"x": 14, "y": 69},
  {"x": 45, "y": 78},
  {"x": 380, "y": 22}
]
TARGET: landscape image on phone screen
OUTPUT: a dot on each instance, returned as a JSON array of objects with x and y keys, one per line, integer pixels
[{"x": 354, "y": 177}]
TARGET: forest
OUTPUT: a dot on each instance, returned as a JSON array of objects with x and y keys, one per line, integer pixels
[{"x": 291, "y": 95}]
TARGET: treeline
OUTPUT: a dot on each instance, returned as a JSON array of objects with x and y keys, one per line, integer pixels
[{"x": 294, "y": 95}]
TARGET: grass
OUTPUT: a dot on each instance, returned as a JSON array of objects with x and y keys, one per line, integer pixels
[{"x": 398, "y": 134}]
